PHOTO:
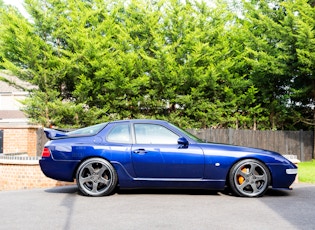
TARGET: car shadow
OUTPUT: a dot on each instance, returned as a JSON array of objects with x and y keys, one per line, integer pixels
[
  {"x": 277, "y": 192},
  {"x": 166, "y": 192},
  {"x": 67, "y": 189},
  {"x": 72, "y": 189}
]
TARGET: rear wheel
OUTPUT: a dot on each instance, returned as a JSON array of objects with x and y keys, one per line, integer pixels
[
  {"x": 249, "y": 178},
  {"x": 96, "y": 177}
]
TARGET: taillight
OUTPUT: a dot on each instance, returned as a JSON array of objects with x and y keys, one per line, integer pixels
[{"x": 46, "y": 152}]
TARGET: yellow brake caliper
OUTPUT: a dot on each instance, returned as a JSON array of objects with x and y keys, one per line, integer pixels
[{"x": 241, "y": 178}]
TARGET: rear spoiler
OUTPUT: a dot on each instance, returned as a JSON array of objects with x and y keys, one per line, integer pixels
[{"x": 53, "y": 134}]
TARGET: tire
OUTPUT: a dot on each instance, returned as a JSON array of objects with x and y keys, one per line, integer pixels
[
  {"x": 96, "y": 177},
  {"x": 249, "y": 178}
]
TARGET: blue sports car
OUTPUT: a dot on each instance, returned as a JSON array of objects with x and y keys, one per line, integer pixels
[{"x": 157, "y": 154}]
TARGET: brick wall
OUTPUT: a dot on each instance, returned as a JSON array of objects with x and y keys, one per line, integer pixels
[
  {"x": 24, "y": 174},
  {"x": 23, "y": 171},
  {"x": 20, "y": 139}
]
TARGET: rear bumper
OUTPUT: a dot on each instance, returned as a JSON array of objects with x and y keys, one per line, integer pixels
[{"x": 58, "y": 170}]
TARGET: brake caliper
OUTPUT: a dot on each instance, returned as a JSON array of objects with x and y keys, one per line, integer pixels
[{"x": 241, "y": 178}]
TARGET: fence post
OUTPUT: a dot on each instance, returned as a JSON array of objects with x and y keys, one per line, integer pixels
[
  {"x": 286, "y": 143},
  {"x": 230, "y": 136},
  {"x": 302, "y": 157}
]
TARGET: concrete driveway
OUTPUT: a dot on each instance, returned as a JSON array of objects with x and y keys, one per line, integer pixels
[{"x": 64, "y": 208}]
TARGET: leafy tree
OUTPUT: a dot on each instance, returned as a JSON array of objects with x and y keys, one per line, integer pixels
[
  {"x": 265, "y": 58},
  {"x": 302, "y": 18},
  {"x": 164, "y": 59},
  {"x": 185, "y": 61},
  {"x": 204, "y": 88}
]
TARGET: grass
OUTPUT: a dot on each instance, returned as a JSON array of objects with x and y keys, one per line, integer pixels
[{"x": 306, "y": 172}]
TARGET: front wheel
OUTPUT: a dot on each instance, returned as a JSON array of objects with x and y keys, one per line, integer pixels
[
  {"x": 249, "y": 178},
  {"x": 96, "y": 177}
]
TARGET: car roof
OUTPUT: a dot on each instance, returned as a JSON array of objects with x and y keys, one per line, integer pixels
[{"x": 141, "y": 121}]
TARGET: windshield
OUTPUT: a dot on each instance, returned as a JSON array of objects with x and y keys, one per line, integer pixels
[
  {"x": 87, "y": 131},
  {"x": 191, "y": 136}
]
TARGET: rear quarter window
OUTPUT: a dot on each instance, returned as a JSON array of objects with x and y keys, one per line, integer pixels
[
  {"x": 88, "y": 131},
  {"x": 120, "y": 133}
]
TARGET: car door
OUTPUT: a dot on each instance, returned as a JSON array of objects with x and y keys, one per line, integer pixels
[{"x": 156, "y": 154}]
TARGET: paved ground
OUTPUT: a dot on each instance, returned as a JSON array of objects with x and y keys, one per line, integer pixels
[{"x": 64, "y": 208}]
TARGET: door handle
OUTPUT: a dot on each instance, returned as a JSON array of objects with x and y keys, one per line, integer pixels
[{"x": 140, "y": 151}]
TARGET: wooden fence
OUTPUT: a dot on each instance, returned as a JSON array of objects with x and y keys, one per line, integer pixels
[{"x": 299, "y": 143}]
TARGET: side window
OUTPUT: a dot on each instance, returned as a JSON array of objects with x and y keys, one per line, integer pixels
[
  {"x": 154, "y": 134},
  {"x": 119, "y": 134}
]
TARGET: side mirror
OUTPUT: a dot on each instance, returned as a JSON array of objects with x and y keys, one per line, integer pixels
[{"x": 183, "y": 142}]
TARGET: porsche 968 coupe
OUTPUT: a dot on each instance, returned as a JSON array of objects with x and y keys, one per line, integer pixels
[{"x": 132, "y": 154}]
